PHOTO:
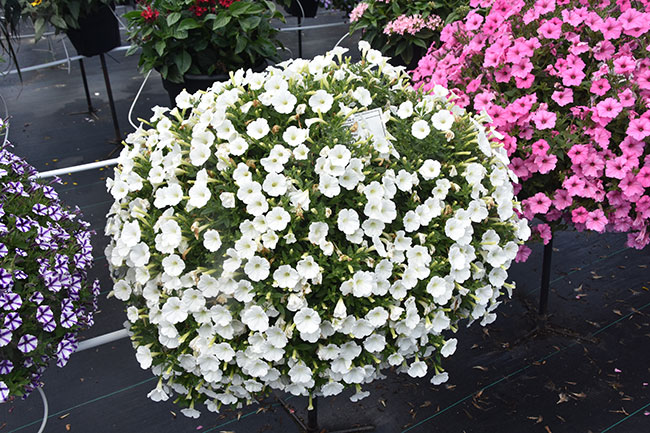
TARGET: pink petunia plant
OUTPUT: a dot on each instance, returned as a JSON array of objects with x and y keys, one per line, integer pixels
[{"x": 567, "y": 85}]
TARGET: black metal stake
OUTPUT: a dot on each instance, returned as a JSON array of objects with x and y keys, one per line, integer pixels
[
  {"x": 82, "y": 67},
  {"x": 312, "y": 416},
  {"x": 546, "y": 278},
  {"x": 312, "y": 420},
  {"x": 107, "y": 81},
  {"x": 300, "y": 38}
]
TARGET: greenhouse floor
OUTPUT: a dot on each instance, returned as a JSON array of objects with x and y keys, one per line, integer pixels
[{"x": 586, "y": 369}]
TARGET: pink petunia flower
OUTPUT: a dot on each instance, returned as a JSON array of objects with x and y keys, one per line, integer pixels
[
  {"x": 573, "y": 77},
  {"x": 522, "y": 254},
  {"x": 539, "y": 203},
  {"x": 609, "y": 108},
  {"x": 596, "y": 221},
  {"x": 579, "y": 215},
  {"x": 638, "y": 128},
  {"x": 544, "y": 119},
  {"x": 563, "y": 97},
  {"x": 600, "y": 87}
]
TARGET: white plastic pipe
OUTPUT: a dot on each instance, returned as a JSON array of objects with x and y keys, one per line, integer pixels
[
  {"x": 57, "y": 62},
  {"x": 91, "y": 343},
  {"x": 315, "y": 26},
  {"x": 46, "y": 410},
  {"x": 76, "y": 168}
]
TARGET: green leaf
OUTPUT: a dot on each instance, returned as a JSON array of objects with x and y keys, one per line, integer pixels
[
  {"x": 39, "y": 28},
  {"x": 241, "y": 44},
  {"x": 58, "y": 22},
  {"x": 74, "y": 9},
  {"x": 160, "y": 47},
  {"x": 221, "y": 21},
  {"x": 172, "y": 18},
  {"x": 183, "y": 61},
  {"x": 189, "y": 23},
  {"x": 250, "y": 23}
]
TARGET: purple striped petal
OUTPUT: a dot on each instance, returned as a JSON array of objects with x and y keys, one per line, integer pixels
[
  {"x": 6, "y": 366},
  {"x": 44, "y": 314},
  {"x": 13, "y": 321},
  {"x": 27, "y": 343},
  {"x": 5, "y": 337},
  {"x": 4, "y": 392}
]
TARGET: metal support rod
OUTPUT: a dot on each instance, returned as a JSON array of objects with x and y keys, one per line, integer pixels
[
  {"x": 76, "y": 168},
  {"x": 546, "y": 278},
  {"x": 312, "y": 420},
  {"x": 91, "y": 343},
  {"x": 91, "y": 109},
  {"x": 109, "y": 91},
  {"x": 300, "y": 37},
  {"x": 312, "y": 416},
  {"x": 46, "y": 410}
]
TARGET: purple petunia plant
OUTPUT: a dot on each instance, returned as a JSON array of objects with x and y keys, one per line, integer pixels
[{"x": 45, "y": 296}]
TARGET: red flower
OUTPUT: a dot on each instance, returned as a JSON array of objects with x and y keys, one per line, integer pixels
[{"x": 150, "y": 14}]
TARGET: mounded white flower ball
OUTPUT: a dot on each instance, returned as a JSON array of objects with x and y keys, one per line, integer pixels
[{"x": 341, "y": 223}]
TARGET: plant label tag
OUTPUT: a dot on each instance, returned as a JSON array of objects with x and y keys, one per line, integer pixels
[{"x": 367, "y": 123}]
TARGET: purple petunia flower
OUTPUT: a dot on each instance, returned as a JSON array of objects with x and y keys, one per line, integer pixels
[
  {"x": 21, "y": 252},
  {"x": 3, "y": 250},
  {"x": 27, "y": 343},
  {"x": 52, "y": 282},
  {"x": 63, "y": 351},
  {"x": 6, "y": 366},
  {"x": 5, "y": 337},
  {"x": 96, "y": 288},
  {"x": 39, "y": 209},
  {"x": 11, "y": 301},
  {"x": 68, "y": 318},
  {"x": 50, "y": 193},
  {"x": 13, "y": 321},
  {"x": 6, "y": 280},
  {"x": 49, "y": 326},
  {"x": 3, "y": 229},
  {"x": 37, "y": 298},
  {"x": 44, "y": 314},
  {"x": 20, "y": 275},
  {"x": 23, "y": 224},
  {"x": 4, "y": 392},
  {"x": 14, "y": 188}
]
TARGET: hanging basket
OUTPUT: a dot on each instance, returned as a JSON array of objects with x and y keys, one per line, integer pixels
[
  {"x": 98, "y": 33},
  {"x": 193, "y": 83},
  {"x": 309, "y": 7}
]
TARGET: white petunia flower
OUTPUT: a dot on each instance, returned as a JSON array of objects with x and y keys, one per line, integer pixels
[
  {"x": 275, "y": 184},
  {"x": 442, "y": 120},
  {"x": 294, "y": 136},
  {"x": 173, "y": 310},
  {"x": 212, "y": 240},
  {"x": 307, "y": 320},
  {"x": 257, "y": 268},
  {"x": 255, "y": 318},
  {"x": 286, "y": 277},
  {"x": 227, "y": 199},
  {"x": 429, "y": 169},
  {"x": 277, "y": 219},
  {"x": 321, "y": 101},
  {"x": 348, "y": 221},
  {"x": 405, "y": 110},
  {"x": 173, "y": 265},
  {"x": 420, "y": 129},
  {"x": 258, "y": 128}
]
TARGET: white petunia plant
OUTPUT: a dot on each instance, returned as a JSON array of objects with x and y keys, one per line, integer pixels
[{"x": 304, "y": 228}]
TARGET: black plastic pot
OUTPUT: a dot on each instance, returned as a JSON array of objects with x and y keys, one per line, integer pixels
[
  {"x": 194, "y": 83},
  {"x": 310, "y": 7},
  {"x": 98, "y": 32}
]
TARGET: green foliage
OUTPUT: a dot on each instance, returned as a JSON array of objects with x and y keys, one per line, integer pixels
[
  {"x": 176, "y": 38},
  {"x": 406, "y": 47}
]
